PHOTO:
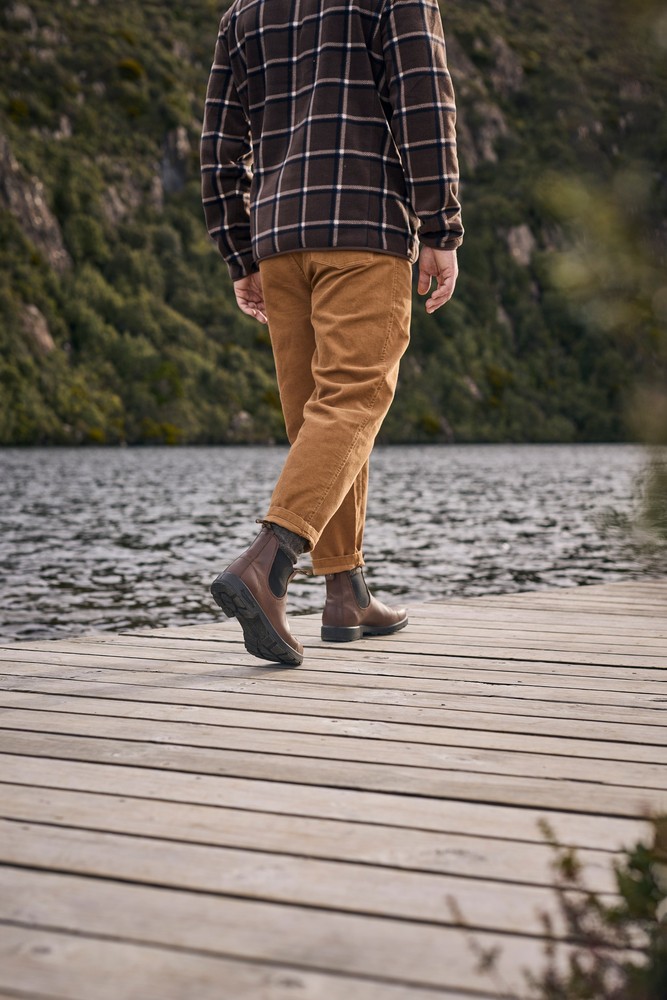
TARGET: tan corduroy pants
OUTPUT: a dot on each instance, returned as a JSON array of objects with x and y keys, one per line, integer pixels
[{"x": 339, "y": 322}]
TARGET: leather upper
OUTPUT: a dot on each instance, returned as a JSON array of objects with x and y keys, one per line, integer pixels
[
  {"x": 254, "y": 567},
  {"x": 343, "y": 607}
]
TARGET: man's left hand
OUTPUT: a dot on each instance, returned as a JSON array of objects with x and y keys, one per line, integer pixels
[{"x": 250, "y": 297}]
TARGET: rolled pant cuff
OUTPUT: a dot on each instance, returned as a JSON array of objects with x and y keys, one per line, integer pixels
[
  {"x": 337, "y": 564},
  {"x": 286, "y": 519}
]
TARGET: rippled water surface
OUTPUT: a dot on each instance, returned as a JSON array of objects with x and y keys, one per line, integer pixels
[{"x": 101, "y": 539}]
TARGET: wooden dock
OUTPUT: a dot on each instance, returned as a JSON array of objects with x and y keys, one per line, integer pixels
[{"x": 183, "y": 822}]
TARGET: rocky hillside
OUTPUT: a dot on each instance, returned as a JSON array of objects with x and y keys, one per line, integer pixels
[{"x": 117, "y": 321}]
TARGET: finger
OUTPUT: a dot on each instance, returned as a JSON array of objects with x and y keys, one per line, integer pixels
[
  {"x": 254, "y": 309},
  {"x": 435, "y": 302},
  {"x": 259, "y": 309},
  {"x": 441, "y": 295},
  {"x": 424, "y": 283}
]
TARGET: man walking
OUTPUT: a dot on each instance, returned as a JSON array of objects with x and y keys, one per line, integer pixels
[{"x": 328, "y": 157}]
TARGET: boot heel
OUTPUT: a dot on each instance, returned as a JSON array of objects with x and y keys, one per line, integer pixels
[{"x": 333, "y": 633}]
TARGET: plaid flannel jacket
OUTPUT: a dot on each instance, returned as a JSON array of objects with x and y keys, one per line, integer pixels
[{"x": 329, "y": 123}]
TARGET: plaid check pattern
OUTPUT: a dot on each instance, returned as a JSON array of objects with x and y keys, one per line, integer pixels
[{"x": 329, "y": 124}]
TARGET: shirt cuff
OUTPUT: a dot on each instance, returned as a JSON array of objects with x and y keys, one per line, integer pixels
[
  {"x": 442, "y": 242},
  {"x": 241, "y": 265}
]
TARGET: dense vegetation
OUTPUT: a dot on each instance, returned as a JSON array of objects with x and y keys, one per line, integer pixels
[
  {"x": 117, "y": 320},
  {"x": 614, "y": 951}
]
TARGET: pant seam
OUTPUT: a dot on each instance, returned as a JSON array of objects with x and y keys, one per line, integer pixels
[{"x": 362, "y": 427}]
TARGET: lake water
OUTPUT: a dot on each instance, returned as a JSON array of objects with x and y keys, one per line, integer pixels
[{"x": 101, "y": 539}]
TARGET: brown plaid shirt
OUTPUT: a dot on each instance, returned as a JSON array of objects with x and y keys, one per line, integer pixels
[{"x": 329, "y": 123}]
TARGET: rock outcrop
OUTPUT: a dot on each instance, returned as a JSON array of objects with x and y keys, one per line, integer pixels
[
  {"x": 521, "y": 244},
  {"x": 480, "y": 120},
  {"x": 175, "y": 160},
  {"x": 25, "y": 198},
  {"x": 37, "y": 329}
]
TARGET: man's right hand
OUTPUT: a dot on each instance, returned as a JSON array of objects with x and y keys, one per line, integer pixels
[
  {"x": 443, "y": 266},
  {"x": 250, "y": 297}
]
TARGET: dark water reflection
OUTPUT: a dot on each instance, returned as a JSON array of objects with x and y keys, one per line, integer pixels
[{"x": 101, "y": 539}]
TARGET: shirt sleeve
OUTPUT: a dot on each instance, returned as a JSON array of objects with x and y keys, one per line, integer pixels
[
  {"x": 226, "y": 164},
  {"x": 423, "y": 119}
]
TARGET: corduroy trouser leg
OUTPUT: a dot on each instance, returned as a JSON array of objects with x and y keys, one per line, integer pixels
[{"x": 339, "y": 322}]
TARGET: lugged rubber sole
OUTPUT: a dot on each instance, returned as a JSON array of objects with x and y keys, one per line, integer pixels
[
  {"x": 335, "y": 633},
  {"x": 259, "y": 636}
]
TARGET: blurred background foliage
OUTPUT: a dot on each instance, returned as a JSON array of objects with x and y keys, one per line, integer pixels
[{"x": 117, "y": 318}]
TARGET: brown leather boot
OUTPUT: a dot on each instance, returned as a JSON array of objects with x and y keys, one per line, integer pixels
[
  {"x": 351, "y": 612},
  {"x": 254, "y": 590}
]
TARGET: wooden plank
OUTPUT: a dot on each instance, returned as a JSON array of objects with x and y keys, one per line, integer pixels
[
  {"x": 556, "y": 653},
  {"x": 547, "y": 675},
  {"x": 472, "y": 633},
  {"x": 620, "y": 589},
  {"x": 434, "y": 622},
  {"x": 357, "y": 673},
  {"x": 397, "y": 691},
  {"x": 437, "y": 734},
  {"x": 478, "y": 856},
  {"x": 445, "y": 633},
  {"x": 24, "y": 995},
  {"x": 607, "y": 587},
  {"x": 467, "y": 610},
  {"x": 541, "y": 793},
  {"x": 10, "y": 994},
  {"x": 418, "y": 757},
  {"x": 602, "y": 606},
  {"x": 193, "y": 650},
  {"x": 648, "y": 590},
  {"x": 541, "y": 674},
  {"x": 64, "y": 966},
  {"x": 438, "y": 648},
  {"x": 394, "y": 951},
  {"x": 338, "y": 886},
  {"x": 640, "y": 742},
  {"x": 613, "y": 741},
  {"x": 280, "y": 798},
  {"x": 410, "y": 657},
  {"x": 493, "y": 619}
]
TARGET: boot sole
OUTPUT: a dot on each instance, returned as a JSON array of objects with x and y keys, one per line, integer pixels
[
  {"x": 259, "y": 636},
  {"x": 334, "y": 633}
]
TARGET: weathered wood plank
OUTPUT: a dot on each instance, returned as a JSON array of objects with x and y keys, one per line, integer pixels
[
  {"x": 523, "y": 621},
  {"x": 284, "y": 722},
  {"x": 394, "y": 951},
  {"x": 478, "y": 856},
  {"x": 338, "y": 886},
  {"x": 65, "y": 966},
  {"x": 397, "y": 691},
  {"x": 437, "y": 618},
  {"x": 152, "y": 645},
  {"x": 446, "y": 634},
  {"x": 360, "y": 674},
  {"x": 454, "y": 632},
  {"x": 280, "y": 798},
  {"x": 556, "y": 652},
  {"x": 653, "y": 607},
  {"x": 416, "y": 756},
  {"x": 516, "y": 671},
  {"x": 544, "y": 793},
  {"x": 640, "y": 742}
]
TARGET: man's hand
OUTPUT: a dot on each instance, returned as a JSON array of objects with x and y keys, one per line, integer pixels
[
  {"x": 250, "y": 297},
  {"x": 443, "y": 266}
]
